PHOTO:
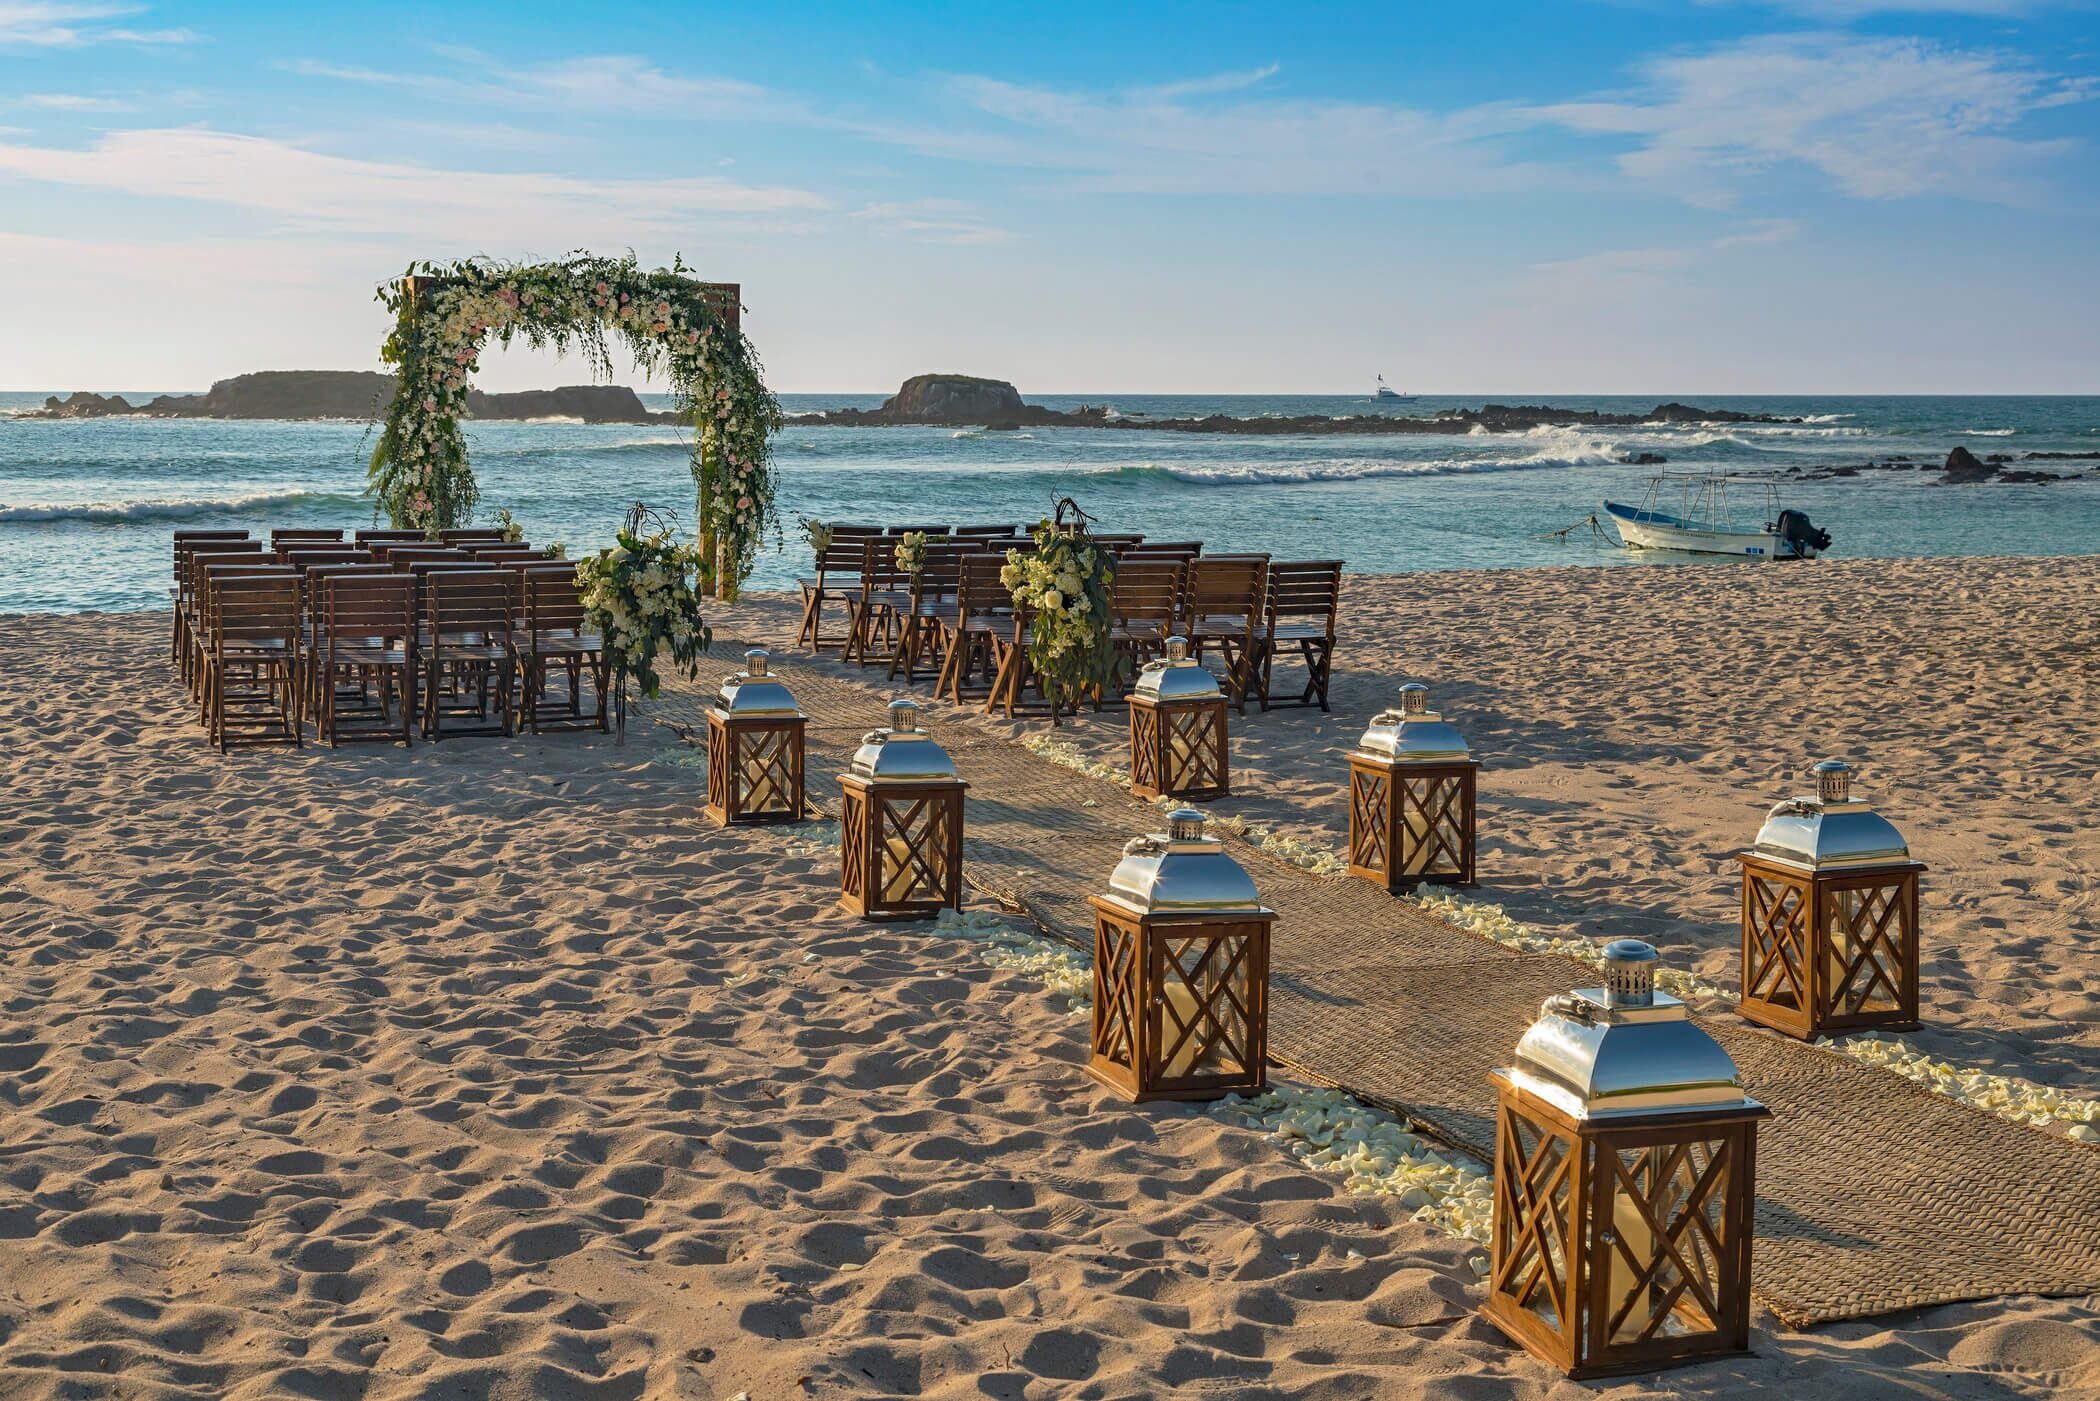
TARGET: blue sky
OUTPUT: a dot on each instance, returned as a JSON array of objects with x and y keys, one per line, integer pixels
[{"x": 1818, "y": 196}]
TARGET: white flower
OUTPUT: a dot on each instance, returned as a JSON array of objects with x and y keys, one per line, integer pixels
[{"x": 1053, "y": 600}]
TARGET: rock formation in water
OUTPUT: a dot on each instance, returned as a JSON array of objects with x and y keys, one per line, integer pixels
[
  {"x": 354, "y": 394},
  {"x": 964, "y": 400}
]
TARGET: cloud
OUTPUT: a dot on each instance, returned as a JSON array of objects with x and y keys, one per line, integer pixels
[
  {"x": 1624, "y": 266},
  {"x": 309, "y": 191},
  {"x": 934, "y": 221},
  {"x": 1880, "y": 118},
  {"x": 67, "y": 102},
  {"x": 1760, "y": 231},
  {"x": 601, "y": 83},
  {"x": 59, "y": 24}
]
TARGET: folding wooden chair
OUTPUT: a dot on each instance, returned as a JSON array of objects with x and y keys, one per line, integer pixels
[
  {"x": 556, "y": 636},
  {"x": 932, "y": 612},
  {"x": 251, "y": 667},
  {"x": 363, "y": 664},
  {"x": 1144, "y": 601},
  {"x": 1222, "y": 609},
  {"x": 837, "y": 581},
  {"x": 876, "y": 624},
  {"x": 1303, "y": 600},
  {"x": 983, "y": 614},
  {"x": 473, "y": 535},
  {"x": 280, "y": 538},
  {"x": 187, "y": 541},
  {"x": 381, "y": 537},
  {"x": 190, "y": 564},
  {"x": 466, "y": 655}
]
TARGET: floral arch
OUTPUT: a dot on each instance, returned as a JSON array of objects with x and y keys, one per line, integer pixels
[{"x": 444, "y": 314}]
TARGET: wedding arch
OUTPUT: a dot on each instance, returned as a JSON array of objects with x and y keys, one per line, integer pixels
[{"x": 444, "y": 316}]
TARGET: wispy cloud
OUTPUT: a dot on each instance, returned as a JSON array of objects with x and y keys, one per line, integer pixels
[
  {"x": 59, "y": 24},
  {"x": 933, "y": 220},
  {"x": 306, "y": 190},
  {"x": 613, "y": 83},
  {"x": 1881, "y": 118},
  {"x": 1620, "y": 267},
  {"x": 66, "y": 102}
]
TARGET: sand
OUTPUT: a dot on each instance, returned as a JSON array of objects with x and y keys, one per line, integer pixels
[{"x": 484, "y": 1069}]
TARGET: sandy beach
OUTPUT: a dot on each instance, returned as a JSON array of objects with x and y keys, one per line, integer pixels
[{"x": 486, "y": 1069}]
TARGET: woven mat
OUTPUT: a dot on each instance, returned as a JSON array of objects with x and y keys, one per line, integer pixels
[{"x": 1873, "y": 1195}]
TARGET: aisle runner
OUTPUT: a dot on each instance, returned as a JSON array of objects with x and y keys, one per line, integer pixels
[{"x": 1873, "y": 1195}]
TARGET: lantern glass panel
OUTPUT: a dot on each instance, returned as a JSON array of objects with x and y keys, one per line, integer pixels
[
  {"x": 1779, "y": 919},
  {"x": 914, "y": 853},
  {"x": 1537, "y": 1179},
  {"x": 1115, "y": 993},
  {"x": 1664, "y": 1266},
  {"x": 1861, "y": 965},
  {"x": 1203, "y": 1003},
  {"x": 1430, "y": 809}
]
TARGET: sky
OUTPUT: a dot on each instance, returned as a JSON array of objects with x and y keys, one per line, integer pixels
[{"x": 1628, "y": 196}]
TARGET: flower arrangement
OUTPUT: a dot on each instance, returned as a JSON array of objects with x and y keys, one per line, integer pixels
[
  {"x": 910, "y": 554},
  {"x": 513, "y": 529},
  {"x": 640, "y": 595},
  {"x": 818, "y": 533},
  {"x": 669, "y": 323},
  {"x": 1065, "y": 584}
]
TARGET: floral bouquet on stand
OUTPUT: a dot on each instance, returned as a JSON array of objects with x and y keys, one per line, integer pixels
[
  {"x": 1064, "y": 585},
  {"x": 818, "y": 533},
  {"x": 910, "y": 554},
  {"x": 642, "y": 596}
]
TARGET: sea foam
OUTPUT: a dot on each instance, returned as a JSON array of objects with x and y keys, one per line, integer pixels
[{"x": 155, "y": 509}]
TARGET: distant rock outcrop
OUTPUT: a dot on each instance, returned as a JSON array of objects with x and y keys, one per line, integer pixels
[
  {"x": 1965, "y": 468},
  {"x": 355, "y": 394},
  {"x": 81, "y": 404},
  {"x": 954, "y": 399}
]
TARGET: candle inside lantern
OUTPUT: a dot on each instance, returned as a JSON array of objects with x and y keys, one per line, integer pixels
[
  {"x": 1182, "y": 1012},
  {"x": 897, "y": 870}
]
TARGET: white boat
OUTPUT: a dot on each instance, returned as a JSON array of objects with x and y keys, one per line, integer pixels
[
  {"x": 1690, "y": 512},
  {"x": 1386, "y": 391}
]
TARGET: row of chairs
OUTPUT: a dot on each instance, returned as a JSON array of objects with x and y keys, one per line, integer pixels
[
  {"x": 365, "y": 637},
  {"x": 956, "y": 617}
]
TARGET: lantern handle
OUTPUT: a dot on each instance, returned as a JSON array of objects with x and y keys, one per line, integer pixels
[
  {"x": 1568, "y": 1005},
  {"x": 1144, "y": 846},
  {"x": 875, "y": 737}
]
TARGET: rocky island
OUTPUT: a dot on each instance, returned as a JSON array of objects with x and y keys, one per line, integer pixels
[{"x": 352, "y": 394}]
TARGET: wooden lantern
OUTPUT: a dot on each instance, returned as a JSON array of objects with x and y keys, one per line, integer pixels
[
  {"x": 1411, "y": 799},
  {"x": 755, "y": 748},
  {"x": 1178, "y": 738},
  {"x": 901, "y": 824},
  {"x": 1181, "y": 970},
  {"x": 1830, "y": 916},
  {"x": 1625, "y": 1163}
]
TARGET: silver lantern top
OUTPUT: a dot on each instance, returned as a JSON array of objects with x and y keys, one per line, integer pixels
[
  {"x": 1413, "y": 733},
  {"x": 755, "y": 691},
  {"x": 1625, "y": 1049},
  {"x": 903, "y": 753},
  {"x": 1177, "y": 676},
  {"x": 1831, "y": 829},
  {"x": 1183, "y": 871}
]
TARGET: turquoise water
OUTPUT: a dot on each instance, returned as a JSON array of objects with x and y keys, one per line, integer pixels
[{"x": 86, "y": 509}]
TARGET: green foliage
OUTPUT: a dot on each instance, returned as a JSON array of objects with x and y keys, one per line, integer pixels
[
  {"x": 1065, "y": 582},
  {"x": 642, "y": 597},
  {"x": 665, "y": 320}
]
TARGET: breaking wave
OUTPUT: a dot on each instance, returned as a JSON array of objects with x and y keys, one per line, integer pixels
[{"x": 176, "y": 508}]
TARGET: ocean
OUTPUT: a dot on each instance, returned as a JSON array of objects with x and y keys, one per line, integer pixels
[{"x": 87, "y": 508}]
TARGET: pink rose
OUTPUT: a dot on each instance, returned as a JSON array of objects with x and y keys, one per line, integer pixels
[
  {"x": 743, "y": 503},
  {"x": 430, "y": 406}
]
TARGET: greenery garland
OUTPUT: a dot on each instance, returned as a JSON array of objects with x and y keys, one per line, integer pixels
[
  {"x": 1064, "y": 582},
  {"x": 668, "y": 323}
]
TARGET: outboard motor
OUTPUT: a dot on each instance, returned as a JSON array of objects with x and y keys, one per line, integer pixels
[{"x": 1802, "y": 538}]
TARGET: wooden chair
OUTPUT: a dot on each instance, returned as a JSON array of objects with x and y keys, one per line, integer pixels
[
  {"x": 556, "y": 636},
  {"x": 987, "y": 532},
  {"x": 1222, "y": 609},
  {"x": 468, "y": 659},
  {"x": 933, "y": 611},
  {"x": 251, "y": 666},
  {"x": 1144, "y": 603},
  {"x": 189, "y": 597},
  {"x": 1303, "y": 598},
  {"x": 983, "y": 615},
  {"x": 1118, "y": 541},
  {"x": 840, "y": 562},
  {"x": 187, "y": 541},
  {"x": 474, "y": 535},
  {"x": 280, "y": 538},
  {"x": 929, "y": 531},
  {"x": 876, "y": 625},
  {"x": 381, "y": 537},
  {"x": 362, "y": 664}
]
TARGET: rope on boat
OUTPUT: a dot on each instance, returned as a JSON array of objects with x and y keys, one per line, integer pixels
[{"x": 1590, "y": 520}]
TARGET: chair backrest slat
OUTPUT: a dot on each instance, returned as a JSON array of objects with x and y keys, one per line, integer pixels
[{"x": 1226, "y": 585}]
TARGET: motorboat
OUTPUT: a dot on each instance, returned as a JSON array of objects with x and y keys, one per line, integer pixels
[
  {"x": 1691, "y": 512},
  {"x": 1386, "y": 391}
]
